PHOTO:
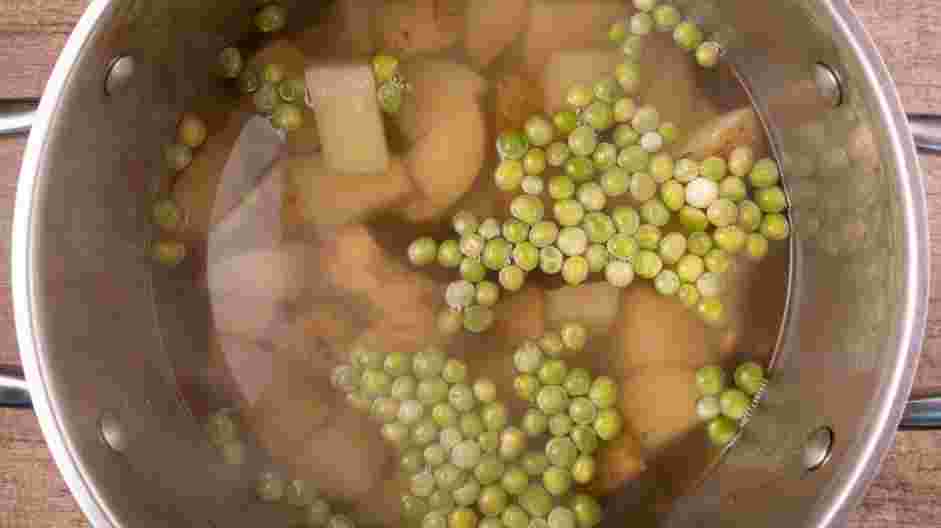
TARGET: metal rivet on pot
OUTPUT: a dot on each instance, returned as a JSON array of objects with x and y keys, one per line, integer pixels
[
  {"x": 828, "y": 84},
  {"x": 818, "y": 448},
  {"x": 120, "y": 72},
  {"x": 112, "y": 432}
]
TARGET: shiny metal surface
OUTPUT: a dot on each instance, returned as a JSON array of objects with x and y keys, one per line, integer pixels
[
  {"x": 87, "y": 322},
  {"x": 16, "y": 121},
  {"x": 922, "y": 412},
  {"x": 14, "y": 391},
  {"x": 926, "y": 129}
]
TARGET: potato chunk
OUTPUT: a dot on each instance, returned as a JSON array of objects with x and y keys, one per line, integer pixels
[
  {"x": 491, "y": 26},
  {"x": 659, "y": 403},
  {"x": 564, "y": 24}
]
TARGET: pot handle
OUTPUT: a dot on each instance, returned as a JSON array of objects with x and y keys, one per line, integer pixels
[
  {"x": 18, "y": 120},
  {"x": 14, "y": 392},
  {"x": 922, "y": 412},
  {"x": 926, "y": 131}
]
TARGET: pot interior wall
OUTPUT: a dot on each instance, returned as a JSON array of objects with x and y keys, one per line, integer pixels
[{"x": 842, "y": 360}]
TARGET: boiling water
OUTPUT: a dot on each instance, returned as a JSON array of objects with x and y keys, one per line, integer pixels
[{"x": 287, "y": 299}]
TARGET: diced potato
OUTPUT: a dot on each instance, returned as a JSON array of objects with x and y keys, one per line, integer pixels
[
  {"x": 595, "y": 305},
  {"x": 343, "y": 97},
  {"x": 720, "y": 135},
  {"x": 234, "y": 314},
  {"x": 656, "y": 330},
  {"x": 203, "y": 193},
  {"x": 565, "y": 24},
  {"x": 283, "y": 52},
  {"x": 569, "y": 67},
  {"x": 491, "y": 26},
  {"x": 618, "y": 462},
  {"x": 346, "y": 31},
  {"x": 439, "y": 89},
  {"x": 518, "y": 96},
  {"x": 402, "y": 302},
  {"x": 319, "y": 196},
  {"x": 411, "y": 27},
  {"x": 445, "y": 163},
  {"x": 659, "y": 403}
]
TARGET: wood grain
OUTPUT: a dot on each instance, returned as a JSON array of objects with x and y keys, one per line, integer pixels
[{"x": 908, "y": 34}]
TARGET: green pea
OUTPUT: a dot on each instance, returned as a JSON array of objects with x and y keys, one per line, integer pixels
[
  {"x": 509, "y": 175},
  {"x": 575, "y": 270},
  {"x": 687, "y": 35},
  {"x": 626, "y": 219},
  {"x": 462, "y": 518},
  {"x": 722, "y": 212},
  {"x": 422, "y": 251},
  {"x": 741, "y": 161},
  {"x": 565, "y": 121},
  {"x": 641, "y": 23},
  {"x": 557, "y": 154},
  {"x": 603, "y": 392},
  {"x": 583, "y": 141},
  {"x": 749, "y": 215},
  {"x": 774, "y": 226},
  {"x": 771, "y": 199},
  {"x": 557, "y": 481},
  {"x": 598, "y": 227},
  {"x": 686, "y": 170},
  {"x": 579, "y": 168},
  {"x": 585, "y": 438},
  {"x": 632, "y": 47},
  {"x": 578, "y": 96},
  {"x": 690, "y": 267},
  {"x": 249, "y": 81},
  {"x": 623, "y": 247},
  {"x": 544, "y": 233},
  {"x": 592, "y": 196},
  {"x": 648, "y": 236},
  {"x": 699, "y": 243},
  {"x": 643, "y": 187},
  {"x": 717, "y": 260},
  {"x": 597, "y": 257},
  {"x": 661, "y": 167},
  {"x": 730, "y": 238},
  {"x": 527, "y": 386},
  {"x": 550, "y": 260},
  {"x": 598, "y": 115},
  {"x": 672, "y": 248},
  {"x": 734, "y": 403},
  {"x": 667, "y": 282},
  {"x": 515, "y": 517},
  {"x": 561, "y": 187},
  {"x": 539, "y": 130},
  {"x": 271, "y": 18},
  {"x": 492, "y": 501},
  {"x": 669, "y": 132},
  {"x": 617, "y": 32},
  {"x": 512, "y": 144},
  {"x": 526, "y": 256},
  {"x": 713, "y": 168},
  {"x": 527, "y": 208},
  {"x": 472, "y": 270},
  {"x": 608, "y": 424},
  {"x": 733, "y": 188},
  {"x": 625, "y": 136},
  {"x": 552, "y": 399},
  {"x": 572, "y": 241},
  {"x": 711, "y": 311},
  {"x": 515, "y": 480},
  {"x": 756, "y": 246},
  {"x": 619, "y": 273},
  {"x": 607, "y": 90},
  {"x": 605, "y": 156},
  {"x": 666, "y": 16},
  {"x": 749, "y": 377},
  {"x": 764, "y": 173},
  {"x": 654, "y": 212},
  {"x": 584, "y": 469},
  {"x": 721, "y": 430},
  {"x": 512, "y": 277},
  {"x": 515, "y": 231},
  {"x": 568, "y": 212},
  {"x": 673, "y": 195},
  {"x": 615, "y": 181},
  {"x": 512, "y": 443},
  {"x": 624, "y": 109},
  {"x": 707, "y": 54},
  {"x": 230, "y": 63},
  {"x": 646, "y": 119},
  {"x": 561, "y": 452},
  {"x": 634, "y": 158}
]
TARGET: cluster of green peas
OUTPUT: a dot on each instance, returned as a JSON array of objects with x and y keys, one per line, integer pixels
[
  {"x": 274, "y": 96},
  {"x": 392, "y": 86},
  {"x": 723, "y": 407},
  {"x": 664, "y": 17},
  {"x": 466, "y": 464}
]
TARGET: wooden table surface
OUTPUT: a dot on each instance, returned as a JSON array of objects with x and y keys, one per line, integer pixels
[{"x": 32, "y": 493}]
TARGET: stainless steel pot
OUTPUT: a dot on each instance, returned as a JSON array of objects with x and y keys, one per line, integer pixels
[{"x": 99, "y": 368}]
